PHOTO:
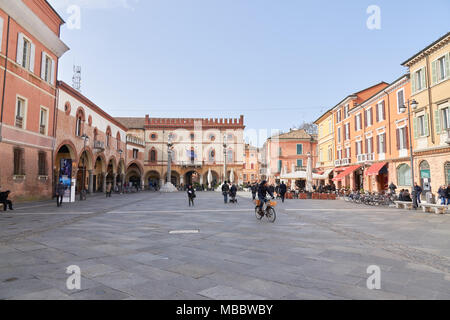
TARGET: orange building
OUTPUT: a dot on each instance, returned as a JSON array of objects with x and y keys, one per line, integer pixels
[
  {"x": 251, "y": 164},
  {"x": 30, "y": 47}
]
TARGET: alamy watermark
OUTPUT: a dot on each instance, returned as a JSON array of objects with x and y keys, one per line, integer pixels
[
  {"x": 374, "y": 20},
  {"x": 74, "y": 280},
  {"x": 374, "y": 280}
]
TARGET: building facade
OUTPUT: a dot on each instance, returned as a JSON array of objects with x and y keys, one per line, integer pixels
[
  {"x": 430, "y": 86},
  {"x": 199, "y": 146},
  {"x": 251, "y": 168},
  {"x": 288, "y": 153},
  {"x": 30, "y": 47},
  {"x": 325, "y": 144}
]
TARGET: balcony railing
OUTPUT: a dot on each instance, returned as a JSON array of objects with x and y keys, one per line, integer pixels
[
  {"x": 346, "y": 161},
  {"x": 135, "y": 140},
  {"x": 337, "y": 163},
  {"x": 370, "y": 157},
  {"x": 19, "y": 122},
  {"x": 300, "y": 168},
  {"x": 361, "y": 158},
  {"x": 99, "y": 145},
  {"x": 42, "y": 129},
  {"x": 189, "y": 164}
]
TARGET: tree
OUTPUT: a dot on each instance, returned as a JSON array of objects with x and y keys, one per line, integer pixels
[{"x": 309, "y": 127}]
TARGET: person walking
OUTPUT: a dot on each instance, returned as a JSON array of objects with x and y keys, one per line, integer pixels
[
  {"x": 233, "y": 192},
  {"x": 225, "y": 191},
  {"x": 418, "y": 189},
  {"x": 392, "y": 188},
  {"x": 191, "y": 194},
  {"x": 442, "y": 192},
  {"x": 283, "y": 190},
  {"x": 4, "y": 200},
  {"x": 108, "y": 190},
  {"x": 448, "y": 194},
  {"x": 60, "y": 190}
]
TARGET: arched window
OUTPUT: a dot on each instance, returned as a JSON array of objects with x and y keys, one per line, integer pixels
[
  {"x": 447, "y": 173},
  {"x": 79, "y": 123},
  {"x": 118, "y": 140},
  {"x": 192, "y": 155},
  {"x": 404, "y": 175},
  {"x": 212, "y": 155},
  {"x": 95, "y": 134},
  {"x": 153, "y": 156},
  {"x": 230, "y": 156},
  {"x": 108, "y": 137}
]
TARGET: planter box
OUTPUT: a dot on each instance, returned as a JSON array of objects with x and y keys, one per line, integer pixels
[
  {"x": 316, "y": 196},
  {"x": 332, "y": 196},
  {"x": 289, "y": 195},
  {"x": 303, "y": 196},
  {"x": 323, "y": 196}
]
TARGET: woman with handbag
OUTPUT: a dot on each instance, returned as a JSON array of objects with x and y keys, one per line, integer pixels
[{"x": 191, "y": 195}]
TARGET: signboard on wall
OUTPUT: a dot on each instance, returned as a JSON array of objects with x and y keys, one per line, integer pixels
[{"x": 65, "y": 176}]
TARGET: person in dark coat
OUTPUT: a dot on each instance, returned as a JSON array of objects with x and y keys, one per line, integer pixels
[
  {"x": 60, "y": 190},
  {"x": 442, "y": 192},
  {"x": 233, "y": 192},
  {"x": 4, "y": 200},
  {"x": 448, "y": 194},
  {"x": 392, "y": 188},
  {"x": 225, "y": 191},
  {"x": 406, "y": 196},
  {"x": 191, "y": 194},
  {"x": 283, "y": 190},
  {"x": 418, "y": 192}
]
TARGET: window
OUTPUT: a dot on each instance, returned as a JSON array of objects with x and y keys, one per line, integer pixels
[
  {"x": 19, "y": 162},
  {"x": 299, "y": 149},
  {"x": 421, "y": 123},
  {"x": 347, "y": 131},
  {"x": 339, "y": 135},
  {"x": 418, "y": 80},
  {"x": 299, "y": 163},
  {"x": 43, "y": 121},
  {"x": 212, "y": 156},
  {"x": 445, "y": 118},
  {"x": 440, "y": 68},
  {"x": 212, "y": 137},
  {"x": 400, "y": 100},
  {"x": 402, "y": 138},
  {"x": 346, "y": 109},
  {"x": 358, "y": 122},
  {"x": 230, "y": 156},
  {"x": 42, "y": 163},
  {"x": 381, "y": 112},
  {"x": 253, "y": 166},
  {"x": 338, "y": 116},
  {"x": 47, "y": 68},
  {"x": 348, "y": 153},
  {"x": 447, "y": 173},
  {"x": 20, "y": 113},
  {"x": 279, "y": 152},
  {"x": 280, "y": 165},
  {"x": 135, "y": 153},
  {"x": 339, "y": 154},
  {"x": 192, "y": 136},
  {"x": 153, "y": 156},
  {"x": 369, "y": 145},
  {"x": 245, "y": 177},
  {"x": 358, "y": 145},
  {"x": 330, "y": 154},
  {"x": 404, "y": 175},
  {"x": 381, "y": 143},
  {"x": 369, "y": 121},
  {"x": 421, "y": 126},
  {"x": 25, "y": 52},
  {"x": 153, "y": 136}
]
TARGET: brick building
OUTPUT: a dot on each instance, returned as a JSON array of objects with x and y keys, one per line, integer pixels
[{"x": 30, "y": 47}]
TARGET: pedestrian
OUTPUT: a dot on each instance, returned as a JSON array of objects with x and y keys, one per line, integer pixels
[
  {"x": 254, "y": 189},
  {"x": 225, "y": 191},
  {"x": 191, "y": 195},
  {"x": 283, "y": 190},
  {"x": 4, "y": 200},
  {"x": 233, "y": 191},
  {"x": 448, "y": 194},
  {"x": 419, "y": 191},
  {"x": 442, "y": 192},
  {"x": 60, "y": 190},
  {"x": 108, "y": 190},
  {"x": 392, "y": 188}
]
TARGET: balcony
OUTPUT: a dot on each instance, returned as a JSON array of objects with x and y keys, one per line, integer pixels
[
  {"x": 370, "y": 157},
  {"x": 346, "y": 161},
  {"x": 337, "y": 163},
  {"x": 300, "y": 168},
  {"x": 42, "y": 129},
  {"x": 99, "y": 146},
  {"x": 19, "y": 122},
  {"x": 189, "y": 164},
  {"x": 361, "y": 158},
  {"x": 135, "y": 140}
]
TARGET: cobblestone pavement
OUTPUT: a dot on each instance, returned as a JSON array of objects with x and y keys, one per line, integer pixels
[{"x": 315, "y": 250}]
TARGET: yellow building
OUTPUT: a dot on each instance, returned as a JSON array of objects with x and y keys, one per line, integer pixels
[
  {"x": 326, "y": 152},
  {"x": 430, "y": 82}
]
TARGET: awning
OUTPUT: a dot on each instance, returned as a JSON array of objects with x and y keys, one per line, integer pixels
[
  {"x": 299, "y": 175},
  {"x": 375, "y": 169},
  {"x": 325, "y": 175},
  {"x": 346, "y": 172}
]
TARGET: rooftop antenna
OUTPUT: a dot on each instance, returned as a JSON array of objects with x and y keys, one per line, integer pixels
[{"x": 76, "y": 79}]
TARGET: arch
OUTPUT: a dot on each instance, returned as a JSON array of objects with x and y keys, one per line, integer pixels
[
  {"x": 95, "y": 134},
  {"x": 404, "y": 175},
  {"x": 175, "y": 178},
  {"x": 81, "y": 113},
  {"x": 138, "y": 165},
  {"x": 215, "y": 181},
  {"x": 424, "y": 165},
  {"x": 88, "y": 156},
  {"x": 108, "y": 137},
  {"x": 80, "y": 119},
  {"x": 112, "y": 160},
  {"x": 153, "y": 155},
  {"x": 70, "y": 146},
  {"x": 152, "y": 180},
  {"x": 192, "y": 177}
]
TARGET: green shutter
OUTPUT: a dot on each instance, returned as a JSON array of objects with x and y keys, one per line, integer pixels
[
  {"x": 425, "y": 120},
  {"x": 416, "y": 128},
  {"x": 413, "y": 83},
  {"x": 299, "y": 149},
  {"x": 437, "y": 121},
  {"x": 434, "y": 74},
  {"x": 423, "y": 78},
  {"x": 447, "y": 65}
]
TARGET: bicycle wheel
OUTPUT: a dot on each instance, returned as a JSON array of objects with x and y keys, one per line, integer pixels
[
  {"x": 271, "y": 215},
  {"x": 258, "y": 216}
]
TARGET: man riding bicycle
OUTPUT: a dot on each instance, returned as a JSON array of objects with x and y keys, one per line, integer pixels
[{"x": 263, "y": 190}]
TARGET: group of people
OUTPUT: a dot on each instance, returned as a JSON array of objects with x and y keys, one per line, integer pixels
[
  {"x": 5, "y": 201},
  {"x": 444, "y": 194},
  {"x": 325, "y": 188},
  {"x": 229, "y": 189},
  {"x": 415, "y": 196}
]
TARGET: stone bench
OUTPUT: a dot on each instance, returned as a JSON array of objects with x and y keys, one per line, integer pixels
[
  {"x": 438, "y": 208},
  {"x": 403, "y": 205}
]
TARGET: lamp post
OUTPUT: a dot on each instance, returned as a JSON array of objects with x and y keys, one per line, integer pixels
[
  {"x": 83, "y": 187},
  {"x": 120, "y": 173},
  {"x": 169, "y": 160},
  {"x": 224, "y": 158},
  {"x": 411, "y": 104}
]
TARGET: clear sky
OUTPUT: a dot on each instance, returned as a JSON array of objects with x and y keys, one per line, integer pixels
[{"x": 277, "y": 62}]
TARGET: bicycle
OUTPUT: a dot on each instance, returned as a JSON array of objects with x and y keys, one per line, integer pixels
[{"x": 268, "y": 210}]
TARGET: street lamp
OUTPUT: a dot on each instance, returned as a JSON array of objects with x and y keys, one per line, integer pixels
[
  {"x": 224, "y": 158},
  {"x": 411, "y": 104},
  {"x": 83, "y": 188},
  {"x": 121, "y": 174}
]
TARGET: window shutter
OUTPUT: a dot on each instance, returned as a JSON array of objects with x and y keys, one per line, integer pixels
[
  {"x": 356, "y": 122},
  {"x": 371, "y": 116},
  {"x": 413, "y": 83},
  {"x": 383, "y": 109},
  {"x": 406, "y": 135},
  {"x": 32, "y": 57},
  {"x": 423, "y": 79},
  {"x": 416, "y": 128},
  {"x": 425, "y": 120},
  {"x": 437, "y": 121},
  {"x": 398, "y": 138},
  {"x": 365, "y": 118},
  {"x": 447, "y": 65},
  {"x": 19, "y": 58},
  {"x": 43, "y": 65},
  {"x": 384, "y": 143},
  {"x": 434, "y": 74},
  {"x": 22, "y": 162},
  {"x": 52, "y": 73},
  {"x": 367, "y": 146},
  {"x": 378, "y": 144},
  {"x": 1, "y": 32},
  {"x": 378, "y": 112}
]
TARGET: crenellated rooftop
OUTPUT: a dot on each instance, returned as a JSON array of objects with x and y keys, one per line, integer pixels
[{"x": 153, "y": 123}]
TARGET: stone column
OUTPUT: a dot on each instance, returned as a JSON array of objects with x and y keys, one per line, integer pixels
[
  {"x": 114, "y": 181},
  {"x": 104, "y": 182},
  {"x": 91, "y": 182},
  {"x": 142, "y": 184},
  {"x": 182, "y": 179},
  {"x": 201, "y": 179}
]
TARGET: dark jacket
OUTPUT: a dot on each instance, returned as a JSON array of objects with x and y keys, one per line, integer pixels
[
  {"x": 442, "y": 192},
  {"x": 191, "y": 192},
  {"x": 4, "y": 196},
  {"x": 254, "y": 188},
  {"x": 60, "y": 189},
  {"x": 283, "y": 188},
  {"x": 225, "y": 187},
  {"x": 233, "y": 190},
  {"x": 263, "y": 191},
  {"x": 418, "y": 189},
  {"x": 448, "y": 192}
]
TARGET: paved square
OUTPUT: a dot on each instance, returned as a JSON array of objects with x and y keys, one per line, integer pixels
[{"x": 315, "y": 250}]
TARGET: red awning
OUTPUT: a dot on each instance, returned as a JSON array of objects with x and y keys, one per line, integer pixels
[
  {"x": 375, "y": 169},
  {"x": 346, "y": 172}
]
